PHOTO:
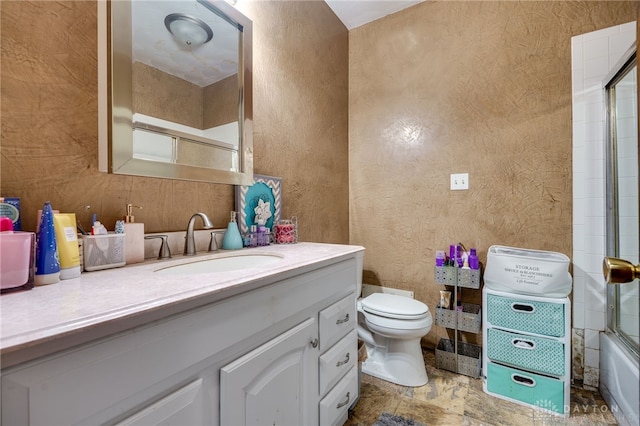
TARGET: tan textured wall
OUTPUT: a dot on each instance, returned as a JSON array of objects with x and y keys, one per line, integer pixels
[
  {"x": 179, "y": 101},
  {"x": 49, "y": 120},
  {"x": 445, "y": 87},
  {"x": 183, "y": 102},
  {"x": 301, "y": 131},
  {"x": 220, "y": 102}
]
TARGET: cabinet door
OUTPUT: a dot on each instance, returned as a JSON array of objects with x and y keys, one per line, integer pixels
[
  {"x": 182, "y": 407},
  {"x": 274, "y": 384}
]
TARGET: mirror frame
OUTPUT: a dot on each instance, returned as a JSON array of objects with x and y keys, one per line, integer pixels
[{"x": 115, "y": 109}]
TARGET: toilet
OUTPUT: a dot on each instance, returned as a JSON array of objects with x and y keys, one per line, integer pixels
[{"x": 391, "y": 327}]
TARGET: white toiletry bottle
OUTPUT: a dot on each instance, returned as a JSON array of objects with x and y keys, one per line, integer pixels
[{"x": 133, "y": 238}]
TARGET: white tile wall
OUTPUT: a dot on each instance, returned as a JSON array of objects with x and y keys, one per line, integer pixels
[
  {"x": 591, "y": 358},
  {"x": 592, "y": 339},
  {"x": 593, "y": 56}
]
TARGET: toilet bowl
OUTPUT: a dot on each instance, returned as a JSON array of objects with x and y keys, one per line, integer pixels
[{"x": 391, "y": 327}]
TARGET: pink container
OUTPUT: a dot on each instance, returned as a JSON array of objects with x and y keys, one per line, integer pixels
[
  {"x": 286, "y": 231},
  {"x": 17, "y": 259}
]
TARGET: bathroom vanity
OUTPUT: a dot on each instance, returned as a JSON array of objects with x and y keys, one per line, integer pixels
[{"x": 268, "y": 344}]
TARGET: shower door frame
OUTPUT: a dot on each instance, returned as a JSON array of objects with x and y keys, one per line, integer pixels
[
  {"x": 618, "y": 355},
  {"x": 612, "y": 230}
]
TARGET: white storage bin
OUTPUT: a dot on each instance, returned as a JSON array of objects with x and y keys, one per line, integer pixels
[{"x": 526, "y": 271}]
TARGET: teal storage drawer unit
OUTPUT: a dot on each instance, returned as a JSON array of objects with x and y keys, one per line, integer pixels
[
  {"x": 526, "y": 351},
  {"x": 533, "y": 353},
  {"x": 523, "y": 314},
  {"x": 534, "y": 389}
]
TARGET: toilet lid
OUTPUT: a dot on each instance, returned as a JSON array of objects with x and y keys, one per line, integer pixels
[{"x": 394, "y": 306}]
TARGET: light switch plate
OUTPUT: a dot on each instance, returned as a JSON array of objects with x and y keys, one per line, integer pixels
[{"x": 459, "y": 181}]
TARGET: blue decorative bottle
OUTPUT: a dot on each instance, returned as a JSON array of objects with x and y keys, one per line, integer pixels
[
  {"x": 232, "y": 239},
  {"x": 47, "y": 261}
]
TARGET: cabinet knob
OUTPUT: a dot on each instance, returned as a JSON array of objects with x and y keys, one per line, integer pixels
[{"x": 314, "y": 343}]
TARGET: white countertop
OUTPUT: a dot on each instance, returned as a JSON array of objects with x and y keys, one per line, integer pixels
[{"x": 55, "y": 317}]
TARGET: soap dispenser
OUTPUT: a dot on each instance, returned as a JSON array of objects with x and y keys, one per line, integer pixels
[
  {"x": 232, "y": 239},
  {"x": 133, "y": 237}
]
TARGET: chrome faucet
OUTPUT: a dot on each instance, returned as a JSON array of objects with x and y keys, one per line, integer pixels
[{"x": 189, "y": 239}]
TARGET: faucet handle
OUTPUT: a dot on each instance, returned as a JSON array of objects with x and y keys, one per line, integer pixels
[
  {"x": 165, "y": 251},
  {"x": 213, "y": 243}
]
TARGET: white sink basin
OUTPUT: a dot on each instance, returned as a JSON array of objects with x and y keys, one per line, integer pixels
[{"x": 221, "y": 264}]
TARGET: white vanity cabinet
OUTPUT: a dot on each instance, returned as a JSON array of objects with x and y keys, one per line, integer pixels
[
  {"x": 258, "y": 357},
  {"x": 282, "y": 381}
]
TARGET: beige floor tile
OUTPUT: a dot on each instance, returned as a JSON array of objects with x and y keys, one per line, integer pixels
[
  {"x": 376, "y": 397},
  {"x": 448, "y": 393},
  {"x": 588, "y": 408},
  {"x": 488, "y": 410},
  {"x": 429, "y": 413},
  {"x": 451, "y": 399}
]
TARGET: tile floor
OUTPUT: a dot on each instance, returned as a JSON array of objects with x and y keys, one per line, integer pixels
[{"x": 450, "y": 399}]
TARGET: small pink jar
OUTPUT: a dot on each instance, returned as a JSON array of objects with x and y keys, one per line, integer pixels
[{"x": 17, "y": 260}]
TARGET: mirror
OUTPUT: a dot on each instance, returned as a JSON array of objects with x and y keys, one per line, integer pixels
[{"x": 175, "y": 88}]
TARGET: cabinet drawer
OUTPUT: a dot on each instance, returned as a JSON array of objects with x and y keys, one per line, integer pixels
[
  {"x": 526, "y": 315},
  {"x": 338, "y": 360},
  {"x": 530, "y": 352},
  {"x": 337, "y": 320},
  {"x": 532, "y": 389},
  {"x": 334, "y": 406}
]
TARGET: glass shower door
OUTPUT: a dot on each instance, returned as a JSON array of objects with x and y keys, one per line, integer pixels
[
  {"x": 623, "y": 222},
  {"x": 619, "y": 345}
]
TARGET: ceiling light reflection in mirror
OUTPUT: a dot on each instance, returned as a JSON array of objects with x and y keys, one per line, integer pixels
[
  {"x": 189, "y": 31},
  {"x": 155, "y": 46}
]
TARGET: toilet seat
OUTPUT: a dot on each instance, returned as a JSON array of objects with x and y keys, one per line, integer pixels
[
  {"x": 394, "y": 306},
  {"x": 398, "y": 325}
]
